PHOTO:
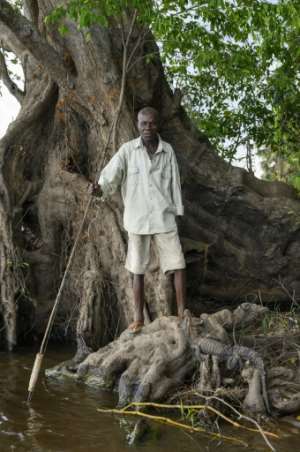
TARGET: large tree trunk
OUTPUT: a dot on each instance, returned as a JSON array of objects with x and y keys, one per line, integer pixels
[{"x": 240, "y": 235}]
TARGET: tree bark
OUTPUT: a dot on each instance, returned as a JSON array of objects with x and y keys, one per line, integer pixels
[{"x": 240, "y": 235}]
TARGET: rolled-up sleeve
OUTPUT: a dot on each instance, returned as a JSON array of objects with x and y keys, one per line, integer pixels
[
  {"x": 176, "y": 186},
  {"x": 112, "y": 174}
]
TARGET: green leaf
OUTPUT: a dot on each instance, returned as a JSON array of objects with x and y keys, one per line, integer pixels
[{"x": 63, "y": 29}]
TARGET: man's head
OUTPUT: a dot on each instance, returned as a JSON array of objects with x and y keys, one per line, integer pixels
[{"x": 147, "y": 124}]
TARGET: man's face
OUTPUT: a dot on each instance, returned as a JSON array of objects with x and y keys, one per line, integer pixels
[{"x": 147, "y": 126}]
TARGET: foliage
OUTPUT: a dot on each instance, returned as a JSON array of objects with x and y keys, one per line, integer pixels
[
  {"x": 236, "y": 61},
  {"x": 89, "y": 12},
  {"x": 283, "y": 167}
]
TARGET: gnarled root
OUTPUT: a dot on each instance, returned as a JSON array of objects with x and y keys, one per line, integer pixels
[
  {"x": 168, "y": 353},
  {"x": 144, "y": 366}
]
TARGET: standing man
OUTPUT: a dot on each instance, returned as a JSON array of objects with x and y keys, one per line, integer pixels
[{"x": 146, "y": 171}]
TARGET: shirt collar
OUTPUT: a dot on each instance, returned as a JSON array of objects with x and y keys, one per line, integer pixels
[{"x": 160, "y": 148}]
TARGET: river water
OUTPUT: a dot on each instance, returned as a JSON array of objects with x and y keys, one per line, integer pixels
[{"x": 63, "y": 417}]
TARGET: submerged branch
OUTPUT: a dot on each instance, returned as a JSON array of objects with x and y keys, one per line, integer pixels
[
  {"x": 168, "y": 421},
  {"x": 203, "y": 407},
  {"x": 247, "y": 418}
]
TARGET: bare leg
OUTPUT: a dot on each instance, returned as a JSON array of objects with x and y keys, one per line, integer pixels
[
  {"x": 138, "y": 296},
  {"x": 180, "y": 289}
]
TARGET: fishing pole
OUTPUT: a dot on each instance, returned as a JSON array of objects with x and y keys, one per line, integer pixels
[{"x": 39, "y": 357}]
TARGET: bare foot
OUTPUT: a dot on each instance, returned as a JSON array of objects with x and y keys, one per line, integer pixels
[{"x": 135, "y": 327}]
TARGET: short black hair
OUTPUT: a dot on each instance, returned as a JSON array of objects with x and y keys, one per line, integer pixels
[{"x": 149, "y": 110}]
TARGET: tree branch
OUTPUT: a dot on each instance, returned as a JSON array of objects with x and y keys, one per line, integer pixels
[
  {"x": 31, "y": 10},
  {"x": 28, "y": 116},
  {"x": 10, "y": 43},
  {"x": 27, "y": 35},
  {"x": 8, "y": 82}
]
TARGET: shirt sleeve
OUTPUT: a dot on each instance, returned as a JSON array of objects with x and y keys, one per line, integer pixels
[
  {"x": 112, "y": 174},
  {"x": 176, "y": 186}
]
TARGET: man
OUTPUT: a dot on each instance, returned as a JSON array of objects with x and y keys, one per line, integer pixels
[{"x": 146, "y": 171}]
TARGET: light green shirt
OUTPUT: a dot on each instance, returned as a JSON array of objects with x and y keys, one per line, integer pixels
[{"x": 150, "y": 188}]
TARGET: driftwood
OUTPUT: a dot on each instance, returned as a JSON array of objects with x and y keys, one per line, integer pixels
[{"x": 169, "y": 352}]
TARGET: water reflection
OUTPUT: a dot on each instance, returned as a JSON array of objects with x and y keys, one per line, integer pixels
[
  {"x": 63, "y": 417},
  {"x": 34, "y": 425}
]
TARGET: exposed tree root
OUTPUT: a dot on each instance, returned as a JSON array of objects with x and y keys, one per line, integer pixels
[{"x": 168, "y": 353}]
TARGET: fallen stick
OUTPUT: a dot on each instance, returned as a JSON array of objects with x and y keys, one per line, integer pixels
[{"x": 168, "y": 421}]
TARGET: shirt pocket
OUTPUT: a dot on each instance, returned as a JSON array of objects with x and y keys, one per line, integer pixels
[
  {"x": 166, "y": 172},
  {"x": 132, "y": 175}
]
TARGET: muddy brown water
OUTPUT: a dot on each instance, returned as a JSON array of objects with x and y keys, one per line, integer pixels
[{"x": 63, "y": 417}]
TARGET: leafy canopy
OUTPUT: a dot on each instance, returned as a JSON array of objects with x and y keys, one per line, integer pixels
[{"x": 237, "y": 62}]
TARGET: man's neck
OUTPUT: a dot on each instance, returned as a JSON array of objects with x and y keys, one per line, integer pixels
[{"x": 151, "y": 145}]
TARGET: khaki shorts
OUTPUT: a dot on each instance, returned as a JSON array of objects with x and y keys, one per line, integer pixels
[{"x": 168, "y": 246}]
